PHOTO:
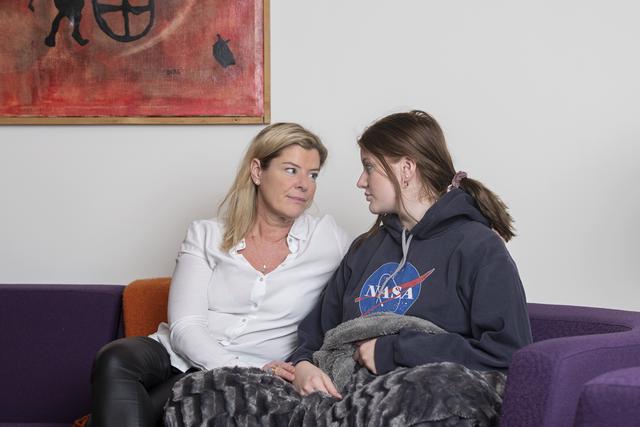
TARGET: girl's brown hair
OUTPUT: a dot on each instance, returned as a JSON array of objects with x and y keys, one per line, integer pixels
[{"x": 418, "y": 136}]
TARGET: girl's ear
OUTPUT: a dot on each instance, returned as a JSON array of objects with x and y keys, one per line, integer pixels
[
  {"x": 407, "y": 168},
  {"x": 256, "y": 171}
]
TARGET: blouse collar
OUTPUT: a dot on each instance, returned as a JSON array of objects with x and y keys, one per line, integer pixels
[{"x": 299, "y": 233}]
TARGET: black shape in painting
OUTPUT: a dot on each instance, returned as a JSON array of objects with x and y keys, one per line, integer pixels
[
  {"x": 125, "y": 8},
  {"x": 72, "y": 10},
  {"x": 222, "y": 53}
]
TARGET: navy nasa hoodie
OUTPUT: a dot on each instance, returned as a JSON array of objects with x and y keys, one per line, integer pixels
[{"x": 451, "y": 269}]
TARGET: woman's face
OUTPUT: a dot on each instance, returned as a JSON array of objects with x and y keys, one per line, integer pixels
[
  {"x": 286, "y": 188},
  {"x": 378, "y": 189}
]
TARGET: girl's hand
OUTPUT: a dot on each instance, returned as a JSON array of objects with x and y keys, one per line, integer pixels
[
  {"x": 310, "y": 378},
  {"x": 365, "y": 355},
  {"x": 284, "y": 370}
]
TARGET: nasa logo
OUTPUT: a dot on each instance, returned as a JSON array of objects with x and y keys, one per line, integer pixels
[{"x": 379, "y": 293}]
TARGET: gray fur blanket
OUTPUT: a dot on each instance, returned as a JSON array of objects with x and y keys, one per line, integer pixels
[
  {"x": 436, "y": 394},
  {"x": 335, "y": 357}
]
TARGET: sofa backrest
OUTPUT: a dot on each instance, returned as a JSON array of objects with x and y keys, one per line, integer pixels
[
  {"x": 50, "y": 335},
  {"x": 554, "y": 321}
]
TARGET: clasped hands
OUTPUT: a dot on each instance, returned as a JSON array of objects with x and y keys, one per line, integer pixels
[{"x": 308, "y": 378}]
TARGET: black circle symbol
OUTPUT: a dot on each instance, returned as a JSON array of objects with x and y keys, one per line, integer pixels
[{"x": 100, "y": 9}]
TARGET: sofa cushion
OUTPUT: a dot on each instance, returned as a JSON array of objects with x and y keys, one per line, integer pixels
[{"x": 50, "y": 335}]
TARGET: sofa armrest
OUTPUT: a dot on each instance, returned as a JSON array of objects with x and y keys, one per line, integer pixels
[
  {"x": 545, "y": 378},
  {"x": 611, "y": 400},
  {"x": 144, "y": 305}
]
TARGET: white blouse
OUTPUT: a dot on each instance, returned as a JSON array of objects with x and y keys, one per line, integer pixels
[{"x": 223, "y": 312}]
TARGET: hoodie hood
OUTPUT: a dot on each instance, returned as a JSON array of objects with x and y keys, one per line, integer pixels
[{"x": 452, "y": 208}]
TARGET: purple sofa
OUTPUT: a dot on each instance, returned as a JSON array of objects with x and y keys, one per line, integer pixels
[
  {"x": 50, "y": 334},
  {"x": 573, "y": 347},
  {"x": 48, "y": 338}
]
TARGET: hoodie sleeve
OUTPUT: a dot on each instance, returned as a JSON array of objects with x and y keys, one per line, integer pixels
[
  {"x": 326, "y": 315},
  {"x": 499, "y": 325}
]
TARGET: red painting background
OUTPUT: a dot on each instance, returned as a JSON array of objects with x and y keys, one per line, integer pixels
[{"x": 169, "y": 72}]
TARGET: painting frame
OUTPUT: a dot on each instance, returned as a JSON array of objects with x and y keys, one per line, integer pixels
[{"x": 264, "y": 118}]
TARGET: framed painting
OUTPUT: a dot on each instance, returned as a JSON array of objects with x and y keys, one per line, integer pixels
[{"x": 134, "y": 61}]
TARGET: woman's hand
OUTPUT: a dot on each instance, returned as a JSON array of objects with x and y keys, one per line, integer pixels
[
  {"x": 310, "y": 378},
  {"x": 365, "y": 354},
  {"x": 284, "y": 370}
]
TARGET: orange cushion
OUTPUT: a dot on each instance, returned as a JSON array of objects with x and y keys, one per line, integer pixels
[{"x": 144, "y": 305}]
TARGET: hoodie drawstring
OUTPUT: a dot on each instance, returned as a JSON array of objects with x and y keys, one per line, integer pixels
[{"x": 405, "y": 251}]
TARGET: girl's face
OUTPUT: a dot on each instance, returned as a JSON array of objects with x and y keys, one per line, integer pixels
[{"x": 378, "y": 188}]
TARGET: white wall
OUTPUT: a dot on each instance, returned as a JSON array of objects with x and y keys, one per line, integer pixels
[{"x": 539, "y": 99}]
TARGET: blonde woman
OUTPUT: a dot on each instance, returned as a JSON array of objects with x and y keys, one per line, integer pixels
[{"x": 241, "y": 285}]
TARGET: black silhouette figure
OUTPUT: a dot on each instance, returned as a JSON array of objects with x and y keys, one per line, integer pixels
[
  {"x": 222, "y": 52},
  {"x": 72, "y": 10}
]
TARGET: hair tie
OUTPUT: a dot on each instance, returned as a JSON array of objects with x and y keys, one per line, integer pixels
[{"x": 455, "y": 182}]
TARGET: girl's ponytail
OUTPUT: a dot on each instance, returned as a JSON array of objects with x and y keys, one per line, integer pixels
[{"x": 491, "y": 206}]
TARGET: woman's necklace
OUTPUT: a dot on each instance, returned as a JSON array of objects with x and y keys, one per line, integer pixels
[{"x": 272, "y": 250}]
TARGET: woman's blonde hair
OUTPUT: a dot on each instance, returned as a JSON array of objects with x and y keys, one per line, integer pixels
[{"x": 239, "y": 205}]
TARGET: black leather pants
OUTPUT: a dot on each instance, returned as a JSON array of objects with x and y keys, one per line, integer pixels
[{"x": 131, "y": 381}]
